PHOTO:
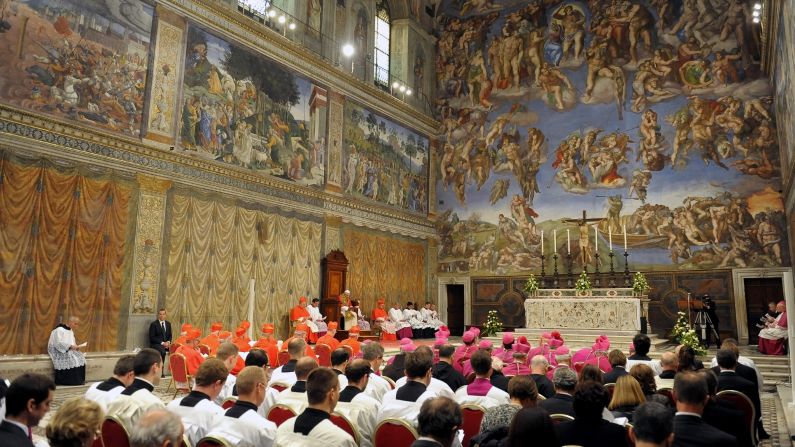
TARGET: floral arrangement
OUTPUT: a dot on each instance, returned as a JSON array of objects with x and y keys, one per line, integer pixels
[
  {"x": 531, "y": 286},
  {"x": 583, "y": 284},
  {"x": 639, "y": 283},
  {"x": 686, "y": 335},
  {"x": 492, "y": 324}
]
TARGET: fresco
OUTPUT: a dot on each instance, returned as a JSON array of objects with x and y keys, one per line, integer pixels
[
  {"x": 243, "y": 109},
  {"x": 784, "y": 67},
  {"x": 384, "y": 161},
  {"x": 650, "y": 116},
  {"x": 81, "y": 60}
]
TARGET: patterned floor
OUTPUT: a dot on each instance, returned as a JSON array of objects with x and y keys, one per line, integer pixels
[{"x": 772, "y": 412}]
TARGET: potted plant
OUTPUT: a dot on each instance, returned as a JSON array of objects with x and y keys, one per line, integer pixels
[
  {"x": 583, "y": 284},
  {"x": 531, "y": 286},
  {"x": 493, "y": 324},
  {"x": 639, "y": 284}
]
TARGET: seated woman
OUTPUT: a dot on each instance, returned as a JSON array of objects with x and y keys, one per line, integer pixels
[
  {"x": 774, "y": 335},
  {"x": 626, "y": 397},
  {"x": 645, "y": 377},
  {"x": 496, "y": 420}
]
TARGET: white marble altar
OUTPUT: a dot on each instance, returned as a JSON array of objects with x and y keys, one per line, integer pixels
[{"x": 609, "y": 309}]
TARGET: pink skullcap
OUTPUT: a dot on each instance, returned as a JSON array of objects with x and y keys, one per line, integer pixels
[
  {"x": 554, "y": 343},
  {"x": 520, "y": 349},
  {"x": 556, "y": 334},
  {"x": 444, "y": 328},
  {"x": 440, "y": 342},
  {"x": 563, "y": 350},
  {"x": 475, "y": 331},
  {"x": 546, "y": 335},
  {"x": 485, "y": 344},
  {"x": 468, "y": 337},
  {"x": 523, "y": 340},
  {"x": 782, "y": 302},
  {"x": 408, "y": 348},
  {"x": 507, "y": 338}
]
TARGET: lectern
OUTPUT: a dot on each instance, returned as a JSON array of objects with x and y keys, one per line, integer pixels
[{"x": 335, "y": 275}]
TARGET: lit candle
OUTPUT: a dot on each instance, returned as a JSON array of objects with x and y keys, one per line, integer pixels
[
  {"x": 554, "y": 241},
  {"x": 542, "y": 242},
  {"x": 625, "y": 237},
  {"x": 596, "y": 238},
  {"x": 568, "y": 242},
  {"x": 610, "y": 236}
]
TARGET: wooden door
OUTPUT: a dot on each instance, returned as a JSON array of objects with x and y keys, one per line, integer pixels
[
  {"x": 455, "y": 309},
  {"x": 759, "y": 292}
]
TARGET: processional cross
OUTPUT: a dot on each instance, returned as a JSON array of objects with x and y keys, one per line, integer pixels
[{"x": 585, "y": 242}]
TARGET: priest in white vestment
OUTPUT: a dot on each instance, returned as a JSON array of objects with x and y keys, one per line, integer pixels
[
  {"x": 241, "y": 424},
  {"x": 317, "y": 317},
  {"x": 138, "y": 398},
  {"x": 198, "y": 409},
  {"x": 481, "y": 391},
  {"x": 67, "y": 360},
  {"x": 106, "y": 392},
  {"x": 358, "y": 407}
]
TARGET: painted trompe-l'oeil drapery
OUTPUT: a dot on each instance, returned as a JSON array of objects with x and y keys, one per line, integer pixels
[
  {"x": 62, "y": 240},
  {"x": 215, "y": 250},
  {"x": 384, "y": 267}
]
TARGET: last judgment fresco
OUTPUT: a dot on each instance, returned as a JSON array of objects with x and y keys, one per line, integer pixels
[{"x": 645, "y": 125}]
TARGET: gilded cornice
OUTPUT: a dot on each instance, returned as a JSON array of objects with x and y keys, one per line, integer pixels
[
  {"x": 258, "y": 37},
  {"x": 26, "y": 131}
]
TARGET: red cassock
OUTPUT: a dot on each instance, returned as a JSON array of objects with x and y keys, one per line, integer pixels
[
  {"x": 329, "y": 340},
  {"x": 355, "y": 345},
  {"x": 270, "y": 348},
  {"x": 297, "y": 313},
  {"x": 212, "y": 342},
  {"x": 242, "y": 343},
  {"x": 193, "y": 359}
]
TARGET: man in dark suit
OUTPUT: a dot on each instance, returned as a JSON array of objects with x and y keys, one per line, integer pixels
[
  {"x": 444, "y": 371},
  {"x": 588, "y": 427},
  {"x": 565, "y": 381},
  {"x": 690, "y": 430},
  {"x": 160, "y": 334},
  {"x": 27, "y": 401},
  {"x": 618, "y": 361},
  {"x": 723, "y": 415},
  {"x": 730, "y": 380},
  {"x": 438, "y": 423},
  {"x": 538, "y": 372}
]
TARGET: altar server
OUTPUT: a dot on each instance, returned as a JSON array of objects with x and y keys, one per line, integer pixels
[
  {"x": 198, "y": 410},
  {"x": 286, "y": 373},
  {"x": 481, "y": 391},
  {"x": 295, "y": 396},
  {"x": 138, "y": 398},
  {"x": 67, "y": 360},
  {"x": 317, "y": 317},
  {"x": 106, "y": 392},
  {"x": 355, "y": 404},
  {"x": 228, "y": 354},
  {"x": 241, "y": 425},
  {"x": 404, "y": 402}
]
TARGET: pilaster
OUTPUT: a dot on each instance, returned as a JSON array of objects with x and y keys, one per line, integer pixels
[{"x": 335, "y": 135}]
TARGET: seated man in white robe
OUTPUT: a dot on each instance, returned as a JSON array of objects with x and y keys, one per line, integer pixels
[
  {"x": 227, "y": 352},
  {"x": 317, "y": 317},
  {"x": 313, "y": 427},
  {"x": 257, "y": 357},
  {"x": 360, "y": 409},
  {"x": 295, "y": 396},
  {"x": 106, "y": 392},
  {"x": 402, "y": 325},
  {"x": 437, "y": 386},
  {"x": 481, "y": 391},
  {"x": 137, "y": 398},
  {"x": 241, "y": 424},
  {"x": 198, "y": 410},
  {"x": 377, "y": 387},
  {"x": 286, "y": 373},
  {"x": 404, "y": 402},
  {"x": 67, "y": 360}
]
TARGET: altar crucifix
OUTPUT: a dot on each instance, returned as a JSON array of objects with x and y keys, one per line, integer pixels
[{"x": 585, "y": 241}]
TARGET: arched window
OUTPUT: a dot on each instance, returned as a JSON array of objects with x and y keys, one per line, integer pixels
[
  {"x": 261, "y": 6},
  {"x": 382, "y": 33}
]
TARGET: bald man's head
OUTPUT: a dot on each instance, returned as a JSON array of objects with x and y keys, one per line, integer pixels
[
  {"x": 157, "y": 428},
  {"x": 304, "y": 366},
  {"x": 668, "y": 361}
]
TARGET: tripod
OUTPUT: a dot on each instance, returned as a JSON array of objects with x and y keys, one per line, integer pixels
[{"x": 703, "y": 320}]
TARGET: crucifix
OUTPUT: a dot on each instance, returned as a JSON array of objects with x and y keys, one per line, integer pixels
[{"x": 585, "y": 242}]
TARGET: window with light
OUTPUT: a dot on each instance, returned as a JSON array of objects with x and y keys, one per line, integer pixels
[{"x": 382, "y": 31}]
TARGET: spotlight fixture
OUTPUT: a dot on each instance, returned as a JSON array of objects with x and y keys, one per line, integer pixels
[
  {"x": 408, "y": 92},
  {"x": 348, "y": 50},
  {"x": 395, "y": 84},
  {"x": 291, "y": 26},
  {"x": 271, "y": 13},
  {"x": 756, "y": 13},
  {"x": 757, "y": 6},
  {"x": 756, "y": 19},
  {"x": 282, "y": 19}
]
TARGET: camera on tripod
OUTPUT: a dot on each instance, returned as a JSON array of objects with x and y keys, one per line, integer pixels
[{"x": 706, "y": 302}]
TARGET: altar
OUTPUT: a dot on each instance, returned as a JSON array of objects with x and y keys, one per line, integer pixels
[{"x": 610, "y": 309}]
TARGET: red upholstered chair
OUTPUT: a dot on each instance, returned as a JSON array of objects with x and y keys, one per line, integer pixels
[
  {"x": 173, "y": 347},
  {"x": 344, "y": 423},
  {"x": 179, "y": 373},
  {"x": 578, "y": 367},
  {"x": 280, "y": 413},
  {"x": 279, "y": 386},
  {"x": 744, "y": 404},
  {"x": 323, "y": 352},
  {"x": 557, "y": 418},
  {"x": 204, "y": 349},
  {"x": 213, "y": 441},
  {"x": 669, "y": 393},
  {"x": 97, "y": 442},
  {"x": 611, "y": 388},
  {"x": 114, "y": 433},
  {"x": 473, "y": 415},
  {"x": 389, "y": 381},
  {"x": 394, "y": 433},
  {"x": 228, "y": 403},
  {"x": 349, "y": 349},
  {"x": 630, "y": 442},
  {"x": 283, "y": 357}
]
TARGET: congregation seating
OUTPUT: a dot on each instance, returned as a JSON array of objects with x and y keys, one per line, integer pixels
[
  {"x": 741, "y": 402},
  {"x": 212, "y": 441},
  {"x": 179, "y": 374},
  {"x": 283, "y": 358},
  {"x": 280, "y": 413},
  {"x": 473, "y": 415},
  {"x": 323, "y": 353},
  {"x": 393, "y": 432},
  {"x": 279, "y": 386},
  {"x": 228, "y": 403},
  {"x": 344, "y": 423},
  {"x": 557, "y": 418},
  {"x": 114, "y": 433}
]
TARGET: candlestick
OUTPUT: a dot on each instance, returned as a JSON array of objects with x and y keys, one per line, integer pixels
[
  {"x": 543, "y": 273},
  {"x": 569, "y": 280},
  {"x": 542, "y": 244},
  {"x": 625, "y": 237},
  {"x": 612, "y": 281},
  {"x": 597, "y": 281},
  {"x": 554, "y": 241},
  {"x": 610, "y": 236},
  {"x": 627, "y": 279},
  {"x": 596, "y": 238},
  {"x": 568, "y": 242},
  {"x": 555, "y": 278}
]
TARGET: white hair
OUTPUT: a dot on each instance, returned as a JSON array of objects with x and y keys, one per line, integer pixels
[
  {"x": 155, "y": 427},
  {"x": 539, "y": 361}
]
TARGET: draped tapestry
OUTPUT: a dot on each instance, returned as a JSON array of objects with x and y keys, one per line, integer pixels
[
  {"x": 384, "y": 267},
  {"x": 216, "y": 248},
  {"x": 62, "y": 240}
]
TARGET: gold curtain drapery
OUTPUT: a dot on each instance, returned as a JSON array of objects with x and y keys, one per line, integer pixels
[
  {"x": 384, "y": 267},
  {"x": 62, "y": 241},
  {"x": 216, "y": 248}
]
